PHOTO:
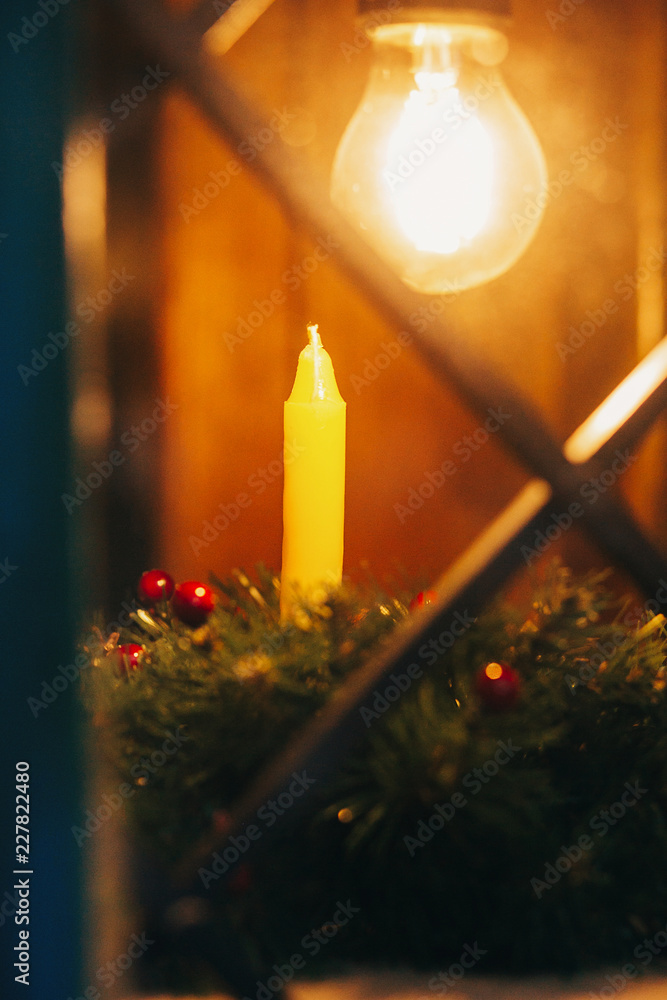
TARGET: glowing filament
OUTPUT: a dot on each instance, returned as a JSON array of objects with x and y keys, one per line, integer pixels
[{"x": 440, "y": 168}]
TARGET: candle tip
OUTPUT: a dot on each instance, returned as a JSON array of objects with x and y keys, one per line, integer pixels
[{"x": 313, "y": 335}]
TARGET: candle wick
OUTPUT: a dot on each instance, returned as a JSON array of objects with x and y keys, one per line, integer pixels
[{"x": 316, "y": 344}]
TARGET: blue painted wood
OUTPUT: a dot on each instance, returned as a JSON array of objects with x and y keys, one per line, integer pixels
[{"x": 36, "y": 614}]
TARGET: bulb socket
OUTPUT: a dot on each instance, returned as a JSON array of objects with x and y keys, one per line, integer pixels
[{"x": 431, "y": 10}]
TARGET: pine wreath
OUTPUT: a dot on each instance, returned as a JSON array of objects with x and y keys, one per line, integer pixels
[{"x": 530, "y": 820}]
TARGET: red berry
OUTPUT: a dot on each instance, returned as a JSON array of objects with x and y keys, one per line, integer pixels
[
  {"x": 155, "y": 585},
  {"x": 241, "y": 880},
  {"x": 498, "y": 686},
  {"x": 128, "y": 657},
  {"x": 423, "y": 597},
  {"x": 192, "y": 602},
  {"x": 221, "y": 820}
]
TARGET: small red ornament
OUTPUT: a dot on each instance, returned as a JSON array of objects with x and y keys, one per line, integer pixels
[
  {"x": 127, "y": 657},
  {"x": 423, "y": 597},
  {"x": 241, "y": 880},
  {"x": 221, "y": 820},
  {"x": 193, "y": 602},
  {"x": 498, "y": 686},
  {"x": 155, "y": 585}
]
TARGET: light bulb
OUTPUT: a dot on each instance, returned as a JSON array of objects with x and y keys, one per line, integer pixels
[{"x": 439, "y": 163}]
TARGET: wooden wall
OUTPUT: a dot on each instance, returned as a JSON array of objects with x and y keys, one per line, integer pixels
[{"x": 604, "y": 61}]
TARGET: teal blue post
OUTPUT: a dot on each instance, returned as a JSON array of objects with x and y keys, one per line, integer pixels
[{"x": 36, "y": 615}]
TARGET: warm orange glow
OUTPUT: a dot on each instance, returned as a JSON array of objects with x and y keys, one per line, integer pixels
[
  {"x": 618, "y": 406},
  {"x": 438, "y": 163},
  {"x": 84, "y": 197},
  {"x": 494, "y": 671},
  {"x": 91, "y": 416},
  {"x": 451, "y": 203},
  {"x": 345, "y": 815}
]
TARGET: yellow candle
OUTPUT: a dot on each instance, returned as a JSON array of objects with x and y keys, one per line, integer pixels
[{"x": 314, "y": 497}]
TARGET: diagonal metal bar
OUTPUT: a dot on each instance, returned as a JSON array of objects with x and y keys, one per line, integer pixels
[
  {"x": 626, "y": 413},
  {"x": 225, "y": 21},
  {"x": 329, "y": 737},
  {"x": 206, "y": 13},
  {"x": 462, "y": 591},
  {"x": 488, "y": 563},
  {"x": 466, "y": 587},
  {"x": 305, "y": 195}
]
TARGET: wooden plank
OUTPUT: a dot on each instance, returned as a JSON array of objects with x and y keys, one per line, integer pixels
[
  {"x": 305, "y": 194},
  {"x": 474, "y": 578}
]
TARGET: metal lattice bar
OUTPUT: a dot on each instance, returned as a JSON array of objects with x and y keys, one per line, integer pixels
[
  {"x": 465, "y": 587},
  {"x": 305, "y": 195},
  {"x": 225, "y": 21},
  {"x": 626, "y": 413},
  {"x": 618, "y": 423}
]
